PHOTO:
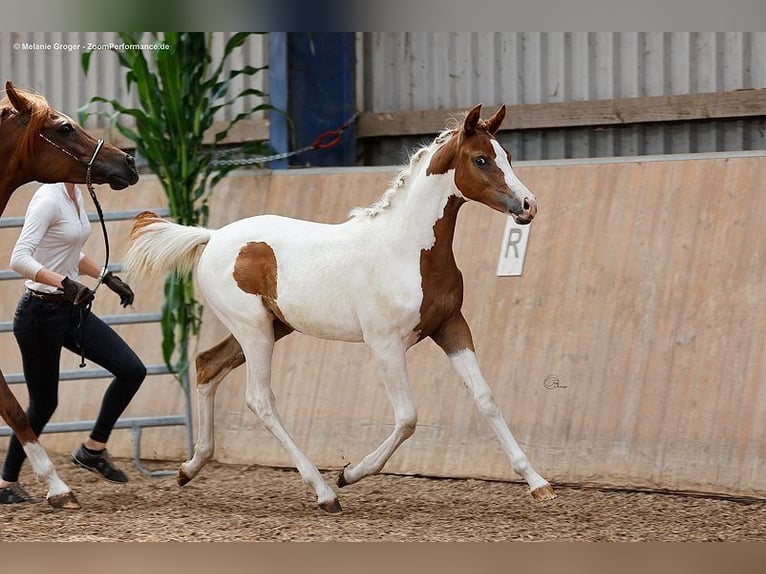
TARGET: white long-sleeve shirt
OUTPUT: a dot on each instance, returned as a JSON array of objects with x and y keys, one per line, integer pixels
[{"x": 54, "y": 232}]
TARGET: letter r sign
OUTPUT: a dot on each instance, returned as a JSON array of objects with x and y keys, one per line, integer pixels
[{"x": 513, "y": 248}]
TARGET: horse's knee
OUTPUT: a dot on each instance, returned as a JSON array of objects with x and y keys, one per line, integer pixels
[{"x": 487, "y": 405}]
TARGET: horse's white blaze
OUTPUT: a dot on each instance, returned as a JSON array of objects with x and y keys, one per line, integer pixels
[
  {"x": 513, "y": 182},
  {"x": 44, "y": 469}
]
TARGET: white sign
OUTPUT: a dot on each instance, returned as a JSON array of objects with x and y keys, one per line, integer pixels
[{"x": 513, "y": 248}]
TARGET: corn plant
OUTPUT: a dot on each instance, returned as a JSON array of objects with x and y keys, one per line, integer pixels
[{"x": 180, "y": 89}]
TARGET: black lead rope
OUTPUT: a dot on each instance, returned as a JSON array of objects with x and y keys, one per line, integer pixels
[
  {"x": 78, "y": 333},
  {"x": 85, "y": 309}
]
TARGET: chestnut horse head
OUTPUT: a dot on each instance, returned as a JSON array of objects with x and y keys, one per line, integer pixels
[
  {"x": 482, "y": 167},
  {"x": 40, "y": 143}
]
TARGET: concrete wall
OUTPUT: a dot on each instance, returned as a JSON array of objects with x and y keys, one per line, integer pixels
[{"x": 642, "y": 294}]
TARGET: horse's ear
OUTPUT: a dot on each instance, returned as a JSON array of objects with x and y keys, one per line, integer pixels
[
  {"x": 471, "y": 120},
  {"x": 16, "y": 98},
  {"x": 493, "y": 123}
]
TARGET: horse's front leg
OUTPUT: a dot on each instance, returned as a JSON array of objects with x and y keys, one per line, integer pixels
[
  {"x": 59, "y": 494},
  {"x": 393, "y": 368},
  {"x": 454, "y": 337}
]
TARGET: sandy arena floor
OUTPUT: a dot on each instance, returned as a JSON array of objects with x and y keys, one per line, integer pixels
[{"x": 236, "y": 503}]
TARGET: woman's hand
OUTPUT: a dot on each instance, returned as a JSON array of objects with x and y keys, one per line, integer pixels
[{"x": 120, "y": 287}]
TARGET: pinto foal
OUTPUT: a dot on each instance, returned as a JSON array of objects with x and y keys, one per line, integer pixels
[{"x": 393, "y": 279}]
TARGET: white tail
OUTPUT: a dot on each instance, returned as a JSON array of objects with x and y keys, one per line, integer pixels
[{"x": 159, "y": 246}]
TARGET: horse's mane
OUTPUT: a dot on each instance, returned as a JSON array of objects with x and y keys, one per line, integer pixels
[
  {"x": 39, "y": 111},
  {"x": 402, "y": 179}
]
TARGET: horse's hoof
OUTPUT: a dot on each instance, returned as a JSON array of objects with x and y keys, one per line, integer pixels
[
  {"x": 182, "y": 478},
  {"x": 67, "y": 501},
  {"x": 341, "y": 482},
  {"x": 543, "y": 493},
  {"x": 331, "y": 506}
]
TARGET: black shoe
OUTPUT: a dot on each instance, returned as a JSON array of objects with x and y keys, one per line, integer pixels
[
  {"x": 100, "y": 464},
  {"x": 14, "y": 494}
]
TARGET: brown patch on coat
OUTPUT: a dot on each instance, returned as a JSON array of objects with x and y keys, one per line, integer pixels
[
  {"x": 12, "y": 413},
  {"x": 217, "y": 361},
  {"x": 441, "y": 280},
  {"x": 255, "y": 271},
  {"x": 444, "y": 158}
]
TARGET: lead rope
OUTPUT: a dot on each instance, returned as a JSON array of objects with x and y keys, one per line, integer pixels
[{"x": 84, "y": 310}]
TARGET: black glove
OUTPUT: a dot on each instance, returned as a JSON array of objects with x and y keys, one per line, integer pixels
[
  {"x": 120, "y": 287},
  {"x": 76, "y": 292}
]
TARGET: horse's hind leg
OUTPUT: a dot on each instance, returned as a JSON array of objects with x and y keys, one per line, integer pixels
[
  {"x": 393, "y": 367},
  {"x": 454, "y": 337},
  {"x": 212, "y": 367},
  {"x": 59, "y": 494}
]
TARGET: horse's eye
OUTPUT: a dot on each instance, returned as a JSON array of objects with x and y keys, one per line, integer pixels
[
  {"x": 67, "y": 128},
  {"x": 481, "y": 161}
]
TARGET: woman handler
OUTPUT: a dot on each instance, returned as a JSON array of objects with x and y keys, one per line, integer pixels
[{"x": 54, "y": 313}]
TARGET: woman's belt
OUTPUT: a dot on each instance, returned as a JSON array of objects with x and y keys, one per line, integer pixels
[{"x": 43, "y": 296}]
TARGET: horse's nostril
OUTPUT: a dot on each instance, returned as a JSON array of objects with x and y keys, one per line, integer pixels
[
  {"x": 526, "y": 205},
  {"x": 130, "y": 161}
]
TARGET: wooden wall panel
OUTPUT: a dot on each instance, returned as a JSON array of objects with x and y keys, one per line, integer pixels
[{"x": 642, "y": 294}]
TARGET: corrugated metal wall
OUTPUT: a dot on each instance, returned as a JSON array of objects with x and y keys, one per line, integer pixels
[
  {"x": 423, "y": 71},
  {"x": 419, "y": 71},
  {"x": 56, "y": 72}
]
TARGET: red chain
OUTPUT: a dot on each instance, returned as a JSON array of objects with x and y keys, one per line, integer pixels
[{"x": 332, "y": 138}]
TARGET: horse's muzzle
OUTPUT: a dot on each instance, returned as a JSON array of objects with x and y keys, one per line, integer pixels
[
  {"x": 527, "y": 212},
  {"x": 125, "y": 176}
]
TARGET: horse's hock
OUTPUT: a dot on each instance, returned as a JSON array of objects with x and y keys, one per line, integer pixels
[{"x": 641, "y": 297}]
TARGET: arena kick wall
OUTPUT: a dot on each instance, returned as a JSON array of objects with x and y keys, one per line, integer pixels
[{"x": 630, "y": 352}]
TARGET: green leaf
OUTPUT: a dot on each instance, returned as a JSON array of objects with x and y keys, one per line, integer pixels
[
  {"x": 85, "y": 61},
  {"x": 178, "y": 93}
]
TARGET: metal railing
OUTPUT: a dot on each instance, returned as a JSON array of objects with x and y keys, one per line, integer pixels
[{"x": 135, "y": 424}]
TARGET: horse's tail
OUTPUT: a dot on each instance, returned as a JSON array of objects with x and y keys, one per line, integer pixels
[{"x": 157, "y": 245}]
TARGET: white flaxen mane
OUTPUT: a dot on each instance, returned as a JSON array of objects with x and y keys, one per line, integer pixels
[{"x": 402, "y": 179}]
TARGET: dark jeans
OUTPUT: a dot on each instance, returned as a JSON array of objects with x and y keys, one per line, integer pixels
[{"x": 42, "y": 329}]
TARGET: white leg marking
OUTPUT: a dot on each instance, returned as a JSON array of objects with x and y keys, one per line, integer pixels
[
  {"x": 44, "y": 469},
  {"x": 393, "y": 368},
  {"x": 467, "y": 367}
]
